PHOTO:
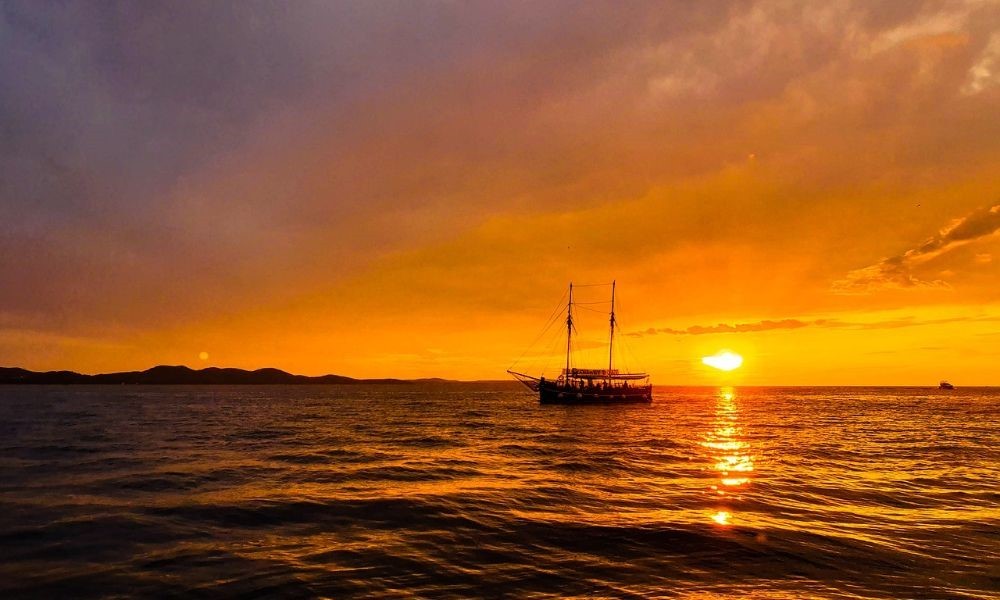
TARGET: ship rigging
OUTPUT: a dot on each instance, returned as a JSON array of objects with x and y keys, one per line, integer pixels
[{"x": 589, "y": 386}]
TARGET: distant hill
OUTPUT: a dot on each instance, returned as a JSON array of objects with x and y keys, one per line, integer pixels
[{"x": 178, "y": 375}]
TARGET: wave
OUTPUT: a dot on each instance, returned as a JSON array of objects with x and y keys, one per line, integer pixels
[{"x": 394, "y": 493}]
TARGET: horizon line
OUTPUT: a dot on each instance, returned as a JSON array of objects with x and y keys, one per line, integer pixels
[{"x": 431, "y": 379}]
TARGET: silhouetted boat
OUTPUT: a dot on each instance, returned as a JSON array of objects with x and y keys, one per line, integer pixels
[
  {"x": 589, "y": 386},
  {"x": 944, "y": 385}
]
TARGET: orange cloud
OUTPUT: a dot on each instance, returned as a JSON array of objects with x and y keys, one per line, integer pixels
[
  {"x": 897, "y": 271},
  {"x": 769, "y": 325}
]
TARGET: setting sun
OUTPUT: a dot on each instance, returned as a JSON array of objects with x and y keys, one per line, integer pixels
[{"x": 724, "y": 360}]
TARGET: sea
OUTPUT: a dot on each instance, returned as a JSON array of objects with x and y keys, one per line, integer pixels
[{"x": 476, "y": 491}]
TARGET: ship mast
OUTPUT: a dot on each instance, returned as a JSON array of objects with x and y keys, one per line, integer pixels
[
  {"x": 611, "y": 340},
  {"x": 569, "y": 328}
]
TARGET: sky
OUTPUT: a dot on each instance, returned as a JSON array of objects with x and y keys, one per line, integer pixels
[{"x": 407, "y": 188}]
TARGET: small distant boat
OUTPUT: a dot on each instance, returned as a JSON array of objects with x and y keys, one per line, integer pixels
[
  {"x": 944, "y": 385},
  {"x": 589, "y": 386}
]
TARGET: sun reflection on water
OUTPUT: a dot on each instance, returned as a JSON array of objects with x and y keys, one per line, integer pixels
[
  {"x": 721, "y": 517},
  {"x": 730, "y": 455}
]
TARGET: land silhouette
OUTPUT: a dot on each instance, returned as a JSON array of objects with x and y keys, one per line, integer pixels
[{"x": 181, "y": 375}]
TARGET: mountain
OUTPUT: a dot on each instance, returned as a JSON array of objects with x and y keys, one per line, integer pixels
[{"x": 174, "y": 375}]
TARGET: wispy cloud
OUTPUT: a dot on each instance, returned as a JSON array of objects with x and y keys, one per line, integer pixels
[
  {"x": 896, "y": 272},
  {"x": 770, "y": 325},
  {"x": 726, "y": 328}
]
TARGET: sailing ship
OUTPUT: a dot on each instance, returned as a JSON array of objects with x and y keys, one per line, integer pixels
[{"x": 589, "y": 386}]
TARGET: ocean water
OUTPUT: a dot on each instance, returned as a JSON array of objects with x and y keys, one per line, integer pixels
[{"x": 455, "y": 491}]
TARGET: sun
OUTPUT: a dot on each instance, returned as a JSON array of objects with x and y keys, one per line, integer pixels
[{"x": 724, "y": 360}]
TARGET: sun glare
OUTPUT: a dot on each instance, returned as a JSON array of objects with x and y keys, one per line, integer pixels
[
  {"x": 724, "y": 360},
  {"x": 721, "y": 517}
]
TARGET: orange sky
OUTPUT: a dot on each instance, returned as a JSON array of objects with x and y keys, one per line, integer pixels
[{"x": 406, "y": 191}]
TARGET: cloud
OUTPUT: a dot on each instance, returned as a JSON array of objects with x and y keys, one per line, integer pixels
[
  {"x": 726, "y": 328},
  {"x": 175, "y": 166},
  {"x": 896, "y": 272},
  {"x": 985, "y": 71},
  {"x": 769, "y": 325}
]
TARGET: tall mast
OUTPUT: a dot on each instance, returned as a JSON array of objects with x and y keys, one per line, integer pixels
[
  {"x": 569, "y": 328},
  {"x": 611, "y": 340}
]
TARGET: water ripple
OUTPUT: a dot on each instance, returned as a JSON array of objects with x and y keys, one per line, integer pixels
[{"x": 455, "y": 491}]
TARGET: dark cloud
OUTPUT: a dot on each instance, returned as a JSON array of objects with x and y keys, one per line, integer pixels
[
  {"x": 103, "y": 108},
  {"x": 897, "y": 271}
]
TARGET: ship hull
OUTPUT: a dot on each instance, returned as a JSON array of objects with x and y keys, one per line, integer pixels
[{"x": 556, "y": 394}]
